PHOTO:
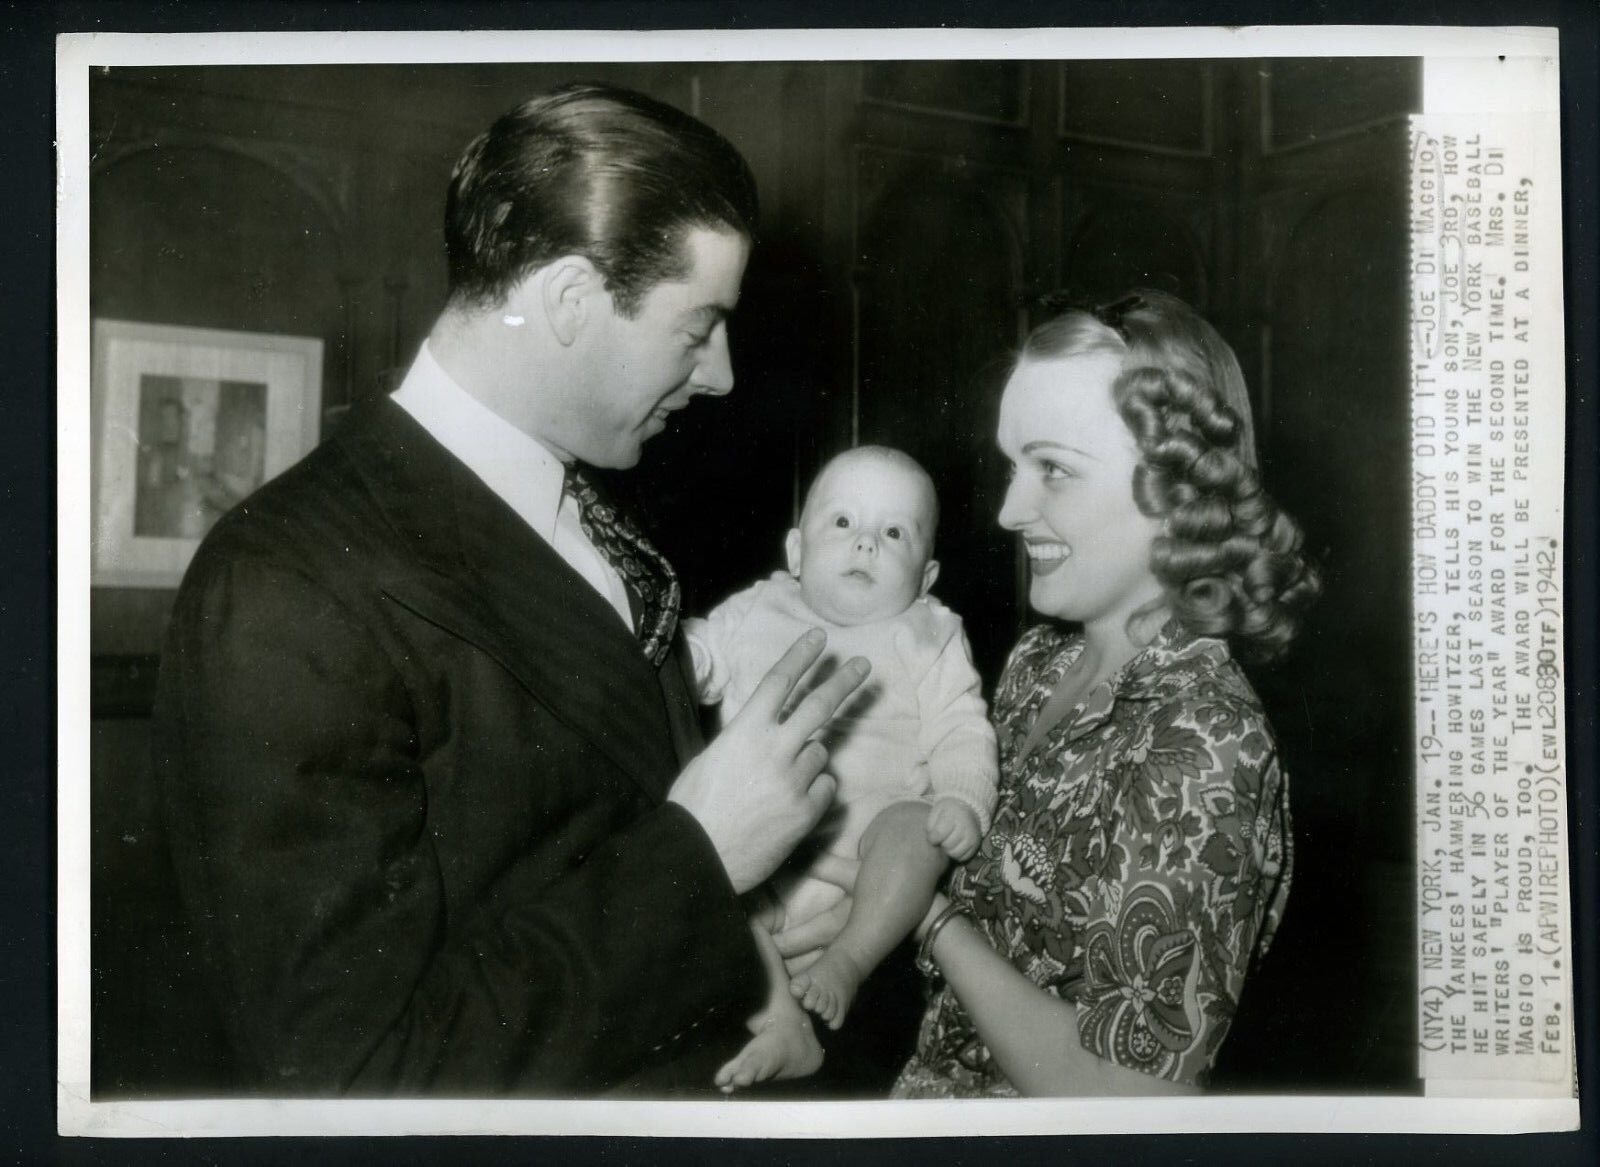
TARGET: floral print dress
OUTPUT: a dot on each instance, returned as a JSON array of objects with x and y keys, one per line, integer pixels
[{"x": 1138, "y": 863}]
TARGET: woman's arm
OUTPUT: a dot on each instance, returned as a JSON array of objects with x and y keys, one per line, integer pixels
[
  {"x": 1032, "y": 1034},
  {"x": 1194, "y": 875}
]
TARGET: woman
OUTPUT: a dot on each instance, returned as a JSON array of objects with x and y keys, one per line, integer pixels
[{"x": 1140, "y": 856}]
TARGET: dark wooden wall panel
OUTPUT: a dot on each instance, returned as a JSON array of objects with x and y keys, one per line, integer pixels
[
  {"x": 1129, "y": 243},
  {"x": 217, "y": 238},
  {"x": 1163, "y": 106},
  {"x": 1309, "y": 99},
  {"x": 995, "y": 91},
  {"x": 937, "y": 249},
  {"x": 1340, "y": 419}
]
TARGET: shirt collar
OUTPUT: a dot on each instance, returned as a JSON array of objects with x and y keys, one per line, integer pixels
[
  {"x": 1170, "y": 664},
  {"x": 516, "y": 467}
]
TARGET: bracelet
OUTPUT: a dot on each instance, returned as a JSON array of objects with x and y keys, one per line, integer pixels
[{"x": 925, "y": 964}]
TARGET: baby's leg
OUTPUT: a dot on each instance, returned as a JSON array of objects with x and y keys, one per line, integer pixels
[
  {"x": 783, "y": 1045},
  {"x": 899, "y": 872}
]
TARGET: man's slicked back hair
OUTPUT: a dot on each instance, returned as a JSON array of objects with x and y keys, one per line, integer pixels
[{"x": 596, "y": 171}]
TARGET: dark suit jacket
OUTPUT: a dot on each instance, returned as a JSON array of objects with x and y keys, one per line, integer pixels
[{"x": 413, "y": 769}]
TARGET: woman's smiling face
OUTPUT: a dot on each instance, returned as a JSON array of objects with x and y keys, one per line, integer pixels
[{"x": 1071, "y": 492}]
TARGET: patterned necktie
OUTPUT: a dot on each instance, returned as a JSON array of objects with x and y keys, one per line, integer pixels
[{"x": 645, "y": 572}]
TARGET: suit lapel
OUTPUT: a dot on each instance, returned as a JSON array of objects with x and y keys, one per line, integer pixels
[{"x": 479, "y": 572}]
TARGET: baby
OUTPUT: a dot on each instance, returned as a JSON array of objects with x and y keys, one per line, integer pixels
[{"x": 913, "y": 753}]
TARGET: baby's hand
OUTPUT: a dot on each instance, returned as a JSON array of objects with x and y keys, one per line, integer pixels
[{"x": 954, "y": 828}]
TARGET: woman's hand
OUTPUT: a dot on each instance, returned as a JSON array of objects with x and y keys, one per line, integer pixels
[
  {"x": 802, "y": 943},
  {"x": 801, "y": 946}
]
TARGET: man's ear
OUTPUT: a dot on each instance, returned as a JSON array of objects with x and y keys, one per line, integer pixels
[
  {"x": 791, "y": 550},
  {"x": 930, "y": 572},
  {"x": 568, "y": 291}
]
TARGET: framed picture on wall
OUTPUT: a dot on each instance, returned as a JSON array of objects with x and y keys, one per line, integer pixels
[{"x": 187, "y": 422}]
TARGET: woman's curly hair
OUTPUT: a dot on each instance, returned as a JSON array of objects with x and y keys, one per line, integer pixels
[{"x": 1229, "y": 558}]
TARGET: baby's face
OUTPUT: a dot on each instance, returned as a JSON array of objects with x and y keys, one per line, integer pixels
[{"x": 863, "y": 545}]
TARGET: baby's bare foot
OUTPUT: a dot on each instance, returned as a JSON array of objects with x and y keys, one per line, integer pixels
[
  {"x": 828, "y": 987},
  {"x": 781, "y": 1048}
]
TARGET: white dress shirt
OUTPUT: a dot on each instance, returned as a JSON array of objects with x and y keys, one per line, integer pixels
[{"x": 526, "y": 476}]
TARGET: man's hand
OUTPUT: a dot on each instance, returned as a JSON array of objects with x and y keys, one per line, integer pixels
[
  {"x": 953, "y": 827},
  {"x": 759, "y": 787}
]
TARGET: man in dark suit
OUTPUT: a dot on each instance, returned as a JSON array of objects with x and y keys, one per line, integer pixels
[{"x": 435, "y": 792}]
